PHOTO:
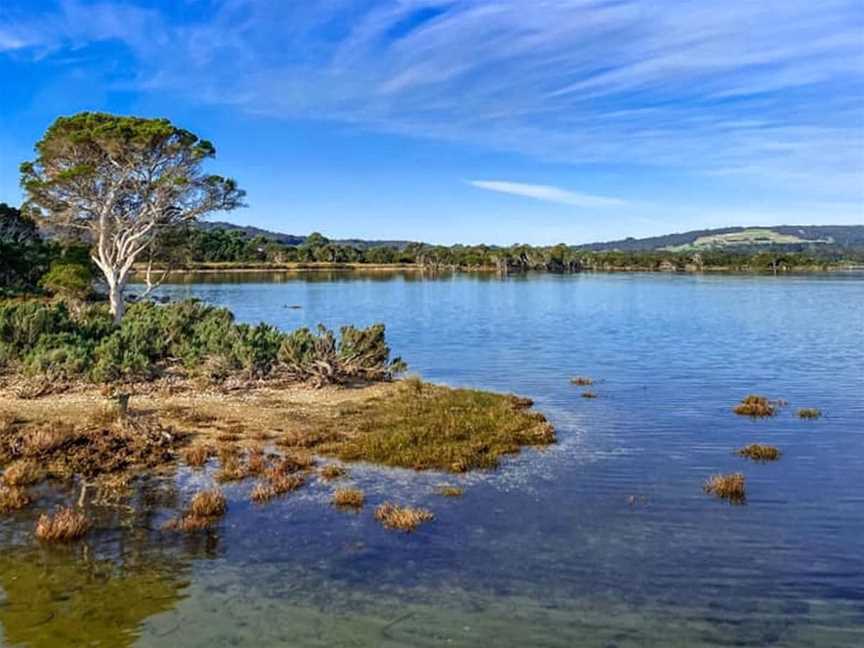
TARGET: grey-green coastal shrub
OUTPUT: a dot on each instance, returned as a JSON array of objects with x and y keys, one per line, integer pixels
[
  {"x": 202, "y": 340},
  {"x": 318, "y": 358}
]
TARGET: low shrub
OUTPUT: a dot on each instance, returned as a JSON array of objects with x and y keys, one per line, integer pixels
[{"x": 46, "y": 339}]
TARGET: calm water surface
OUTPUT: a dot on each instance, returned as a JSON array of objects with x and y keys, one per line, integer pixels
[{"x": 606, "y": 539}]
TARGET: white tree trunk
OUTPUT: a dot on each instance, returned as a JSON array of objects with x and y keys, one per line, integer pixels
[{"x": 115, "y": 298}]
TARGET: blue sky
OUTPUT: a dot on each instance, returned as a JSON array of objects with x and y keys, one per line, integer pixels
[{"x": 496, "y": 121}]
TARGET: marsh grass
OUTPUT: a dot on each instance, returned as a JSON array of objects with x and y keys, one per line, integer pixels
[
  {"x": 196, "y": 456},
  {"x": 46, "y": 438},
  {"x": 348, "y": 498},
  {"x": 13, "y": 498},
  {"x": 451, "y": 491},
  {"x": 64, "y": 525},
  {"x": 809, "y": 413},
  {"x": 22, "y": 473},
  {"x": 582, "y": 381},
  {"x": 262, "y": 492},
  {"x": 232, "y": 469},
  {"x": 333, "y": 471},
  {"x": 760, "y": 452},
  {"x": 729, "y": 487},
  {"x": 204, "y": 509},
  {"x": 282, "y": 484},
  {"x": 7, "y": 422},
  {"x": 756, "y": 406},
  {"x": 208, "y": 503},
  {"x": 434, "y": 428},
  {"x": 256, "y": 462},
  {"x": 404, "y": 518}
]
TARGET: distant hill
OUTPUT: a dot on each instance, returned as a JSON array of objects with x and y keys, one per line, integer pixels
[
  {"x": 790, "y": 237},
  {"x": 826, "y": 239},
  {"x": 292, "y": 239}
]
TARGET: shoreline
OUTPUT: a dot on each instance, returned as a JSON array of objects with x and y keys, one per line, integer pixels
[
  {"x": 274, "y": 436},
  {"x": 302, "y": 268}
]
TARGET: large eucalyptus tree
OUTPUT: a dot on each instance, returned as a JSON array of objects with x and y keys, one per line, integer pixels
[{"x": 120, "y": 183}]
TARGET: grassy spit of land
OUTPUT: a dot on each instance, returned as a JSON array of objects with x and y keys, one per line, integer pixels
[{"x": 278, "y": 438}]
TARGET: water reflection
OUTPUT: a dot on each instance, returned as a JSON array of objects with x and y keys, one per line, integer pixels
[{"x": 56, "y": 598}]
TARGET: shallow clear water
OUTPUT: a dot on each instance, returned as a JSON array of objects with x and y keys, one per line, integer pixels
[{"x": 605, "y": 539}]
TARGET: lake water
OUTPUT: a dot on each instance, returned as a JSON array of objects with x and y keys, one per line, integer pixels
[{"x": 605, "y": 539}]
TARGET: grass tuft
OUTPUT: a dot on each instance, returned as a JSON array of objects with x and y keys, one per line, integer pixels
[
  {"x": 22, "y": 473},
  {"x": 205, "y": 508},
  {"x": 588, "y": 394},
  {"x": 64, "y": 525},
  {"x": 12, "y": 499},
  {"x": 403, "y": 518},
  {"x": 760, "y": 452},
  {"x": 282, "y": 484},
  {"x": 451, "y": 491},
  {"x": 809, "y": 413},
  {"x": 348, "y": 498},
  {"x": 208, "y": 503},
  {"x": 233, "y": 469},
  {"x": 263, "y": 492},
  {"x": 197, "y": 456},
  {"x": 333, "y": 471},
  {"x": 256, "y": 462},
  {"x": 729, "y": 487},
  {"x": 756, "y": 406},
  {"x": 582, "y": 381}
]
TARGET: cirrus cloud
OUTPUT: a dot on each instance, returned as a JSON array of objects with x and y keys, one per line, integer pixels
[{"x": 547, "y": 193}]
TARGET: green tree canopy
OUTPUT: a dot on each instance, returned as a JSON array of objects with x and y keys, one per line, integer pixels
[{"x": 118, "y": 182}]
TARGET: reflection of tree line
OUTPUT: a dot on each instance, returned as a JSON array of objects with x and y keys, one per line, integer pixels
[{"x": 99, "y": 592}]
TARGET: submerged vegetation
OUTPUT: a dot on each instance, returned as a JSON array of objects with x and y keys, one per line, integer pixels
[
  {"x": 451, "y": 491},
  {"x": 729, "y": 487},
  {"x": 809, "y": 413},
  {"x": 759, "y": 452}
]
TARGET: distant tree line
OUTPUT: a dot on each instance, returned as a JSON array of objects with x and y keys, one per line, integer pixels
[
  {"x": 235, "y": 247},
  {"x": 30, "y": 261}
]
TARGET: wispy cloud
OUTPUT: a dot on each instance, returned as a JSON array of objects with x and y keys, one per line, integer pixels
[
  {"x": 773, "y": 88},
  {"x": 547, "y": 193}
]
